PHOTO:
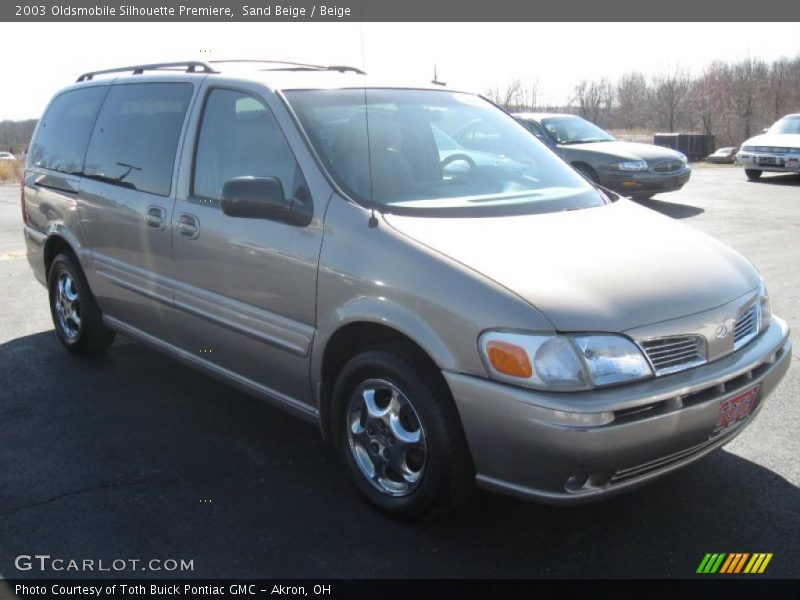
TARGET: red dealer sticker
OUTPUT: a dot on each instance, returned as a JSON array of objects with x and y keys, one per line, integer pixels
[{"x": 736, "y": 409}]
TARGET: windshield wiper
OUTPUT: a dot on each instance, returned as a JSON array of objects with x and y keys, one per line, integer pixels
[
  {"x": 586, "y": 141},
  {"x": 112, "y": 180}
]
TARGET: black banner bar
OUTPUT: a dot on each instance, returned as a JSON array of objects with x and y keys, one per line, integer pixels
[
  {"x": 395, "y": 10},
  {"x": 701, "y": 587}
]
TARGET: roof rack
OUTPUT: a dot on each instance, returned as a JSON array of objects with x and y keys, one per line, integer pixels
[
  {"x": 190, "y": 66},
  {"x": 294, "y": 66}
]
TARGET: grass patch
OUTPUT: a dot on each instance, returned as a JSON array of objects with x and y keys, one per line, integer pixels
[{"x": 10, "y": 171}]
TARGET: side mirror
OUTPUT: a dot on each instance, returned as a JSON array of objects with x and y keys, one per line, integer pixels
[
  {"x": 765, "y": 130},
  {"x": 262, "y": 198}
]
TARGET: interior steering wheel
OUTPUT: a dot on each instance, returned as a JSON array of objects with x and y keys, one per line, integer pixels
[{"x": 456, "y": 157}]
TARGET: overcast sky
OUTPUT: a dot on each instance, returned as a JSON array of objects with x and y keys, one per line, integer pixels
[{"x": 475, "y": 56}]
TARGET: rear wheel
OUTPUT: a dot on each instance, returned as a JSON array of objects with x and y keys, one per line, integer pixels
[
  {"x": 76, "y": 315},
  {"x": 398, "y": 433},
  {"x": 752, "y": 174}
]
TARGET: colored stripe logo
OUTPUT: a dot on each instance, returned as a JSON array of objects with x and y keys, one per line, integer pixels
[{"x": 734, "y": 563}]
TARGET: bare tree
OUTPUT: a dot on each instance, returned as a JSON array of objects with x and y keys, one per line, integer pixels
[
  {"x": 516, "y": 96},
  {"x": 777, "y": 79},
  {"x": 670, "y": 98},
  {"x": 731, "y": 100},
  {"x": 707, "y": 98},
  {"x": 747, "y": 82},
  {"x": 632, "y": 101},
  {"x": 595, "y": 100}
]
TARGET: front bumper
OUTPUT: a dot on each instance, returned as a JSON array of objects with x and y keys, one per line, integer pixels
[
  {"x": 525, "y": 443},
  {"x": 766, "y": 161},
  {"x": 644, "y": 182}
]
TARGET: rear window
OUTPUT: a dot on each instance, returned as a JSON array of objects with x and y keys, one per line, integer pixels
[
  {"x": 136, "y": 136},
  {"x": 62, "y": 136}
]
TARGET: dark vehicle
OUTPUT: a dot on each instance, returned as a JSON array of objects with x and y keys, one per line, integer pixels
[
  {"x": 723, "y": 156},
  {"x": 628, "y": 168}
]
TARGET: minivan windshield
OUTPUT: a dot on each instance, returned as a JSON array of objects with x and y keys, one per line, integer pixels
[
  {"x": 786, "y": 125},
  {"x": 575, "y": 130},
  {"x": 409, "y": 151}
]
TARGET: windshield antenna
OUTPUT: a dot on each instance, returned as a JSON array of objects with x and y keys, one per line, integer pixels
[
  {"x": 373, "y": 220},
  {"x": 435, "y": 80}
]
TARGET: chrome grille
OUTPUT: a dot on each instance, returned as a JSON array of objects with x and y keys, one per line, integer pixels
[
  {"x": 746, "y": 327},
  {"x": 668, "y": 166},
  {"x": 773, "y": 149},
  {"x": 674, "y": 353}
]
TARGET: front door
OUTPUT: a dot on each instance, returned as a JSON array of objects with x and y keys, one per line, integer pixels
[{"x": 245, "y": 288}]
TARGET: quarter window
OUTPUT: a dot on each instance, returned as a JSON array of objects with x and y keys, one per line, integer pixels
[
  {"x": 136, "y": 136},
  {"x": 239, "y": 137},
  {"x": 63, "y": 134}
]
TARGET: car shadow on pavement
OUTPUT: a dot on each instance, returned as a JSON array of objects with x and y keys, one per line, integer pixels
[
  {"x": 778, "y": 179},
  {"x": 132, "y": 454},
  {"x": 671, "y": 209}
]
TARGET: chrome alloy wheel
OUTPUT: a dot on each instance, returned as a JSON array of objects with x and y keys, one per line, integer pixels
[
  {"x": 67, "y": 305},
  {"x": 386, "y": 437}
]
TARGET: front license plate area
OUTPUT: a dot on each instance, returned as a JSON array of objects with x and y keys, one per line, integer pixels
[
  {"x": 736, "y": 409},
  {"x": 769, "y": 160}
]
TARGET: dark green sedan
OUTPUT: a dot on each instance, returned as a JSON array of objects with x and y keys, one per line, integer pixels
[{"x": 628, "y": 168}]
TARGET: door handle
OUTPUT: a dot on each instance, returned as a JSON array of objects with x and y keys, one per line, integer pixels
[
  {"x": 154, "y": 217},
  {"x": 188, "y": 226}
]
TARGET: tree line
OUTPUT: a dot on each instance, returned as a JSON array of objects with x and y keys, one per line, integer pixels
[
  {"x": 16, "y": 135},
  {"x": 732, "y": 100}
]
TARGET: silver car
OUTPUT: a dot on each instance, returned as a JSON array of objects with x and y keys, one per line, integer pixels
[{"x": 447, "y": 309}]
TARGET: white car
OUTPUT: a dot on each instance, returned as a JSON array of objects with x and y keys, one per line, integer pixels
[
  {"x": 778, "y": 149},
  {"x": 7, "y": 156}
]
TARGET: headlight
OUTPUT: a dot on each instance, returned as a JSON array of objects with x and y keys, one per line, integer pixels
[
  {"x": 764, "y": 309},
  {"x": 683, "y": 158},
  {"x": 562, "y": 362},
  {"x": 629, "y": 165},
  {"x": 612, "y": 359}
]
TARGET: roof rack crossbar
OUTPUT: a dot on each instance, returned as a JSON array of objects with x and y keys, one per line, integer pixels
[
  {"x": 297, "y": 65},
  {"x": 190, "y": 66}
]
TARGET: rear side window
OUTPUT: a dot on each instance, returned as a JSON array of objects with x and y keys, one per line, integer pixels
[
  {"x": 63, "y": 134},
  {"x": 240, "y": 137},
  {"x": 136, "y": 136}
]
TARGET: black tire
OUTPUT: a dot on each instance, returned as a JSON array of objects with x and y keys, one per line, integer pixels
[
  {"x": 753, "y": 174},
  {"x": 88, "y": 335},
  {"x": 446, "y": 475}
]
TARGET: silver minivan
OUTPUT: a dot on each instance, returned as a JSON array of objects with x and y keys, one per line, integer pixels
[{"x": 405, "y": 267}]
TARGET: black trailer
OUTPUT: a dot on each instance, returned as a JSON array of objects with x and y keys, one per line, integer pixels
[{"x": 696, "y": 146}]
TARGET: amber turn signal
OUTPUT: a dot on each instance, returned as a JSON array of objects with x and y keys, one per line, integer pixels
[{"x": 509, "y": 359}]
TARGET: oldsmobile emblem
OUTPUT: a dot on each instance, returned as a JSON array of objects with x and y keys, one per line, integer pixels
[{"x": 721, "y": 331}]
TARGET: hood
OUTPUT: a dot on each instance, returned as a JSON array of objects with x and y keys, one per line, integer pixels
[
  {"x": 626, "y": 150},
  {"x": 610, "y": 268},
  {"x": 782, "y": 140}
]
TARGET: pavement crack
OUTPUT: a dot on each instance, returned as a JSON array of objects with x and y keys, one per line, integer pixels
[{"x": 96, "y": 488}]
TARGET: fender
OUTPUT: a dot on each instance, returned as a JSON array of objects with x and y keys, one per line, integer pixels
[
  {"x": 380, "y": 311},
  {"x": 57, "y": 229}
]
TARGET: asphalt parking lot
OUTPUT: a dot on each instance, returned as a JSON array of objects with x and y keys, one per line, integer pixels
[{"x": 133, "y": 455}]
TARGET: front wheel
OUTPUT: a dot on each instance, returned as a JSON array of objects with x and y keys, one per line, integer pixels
[
  {"x": 398, "y": 433},
  {"x": 752, "y": 174},
  {"x": 76, "y": 315}
]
